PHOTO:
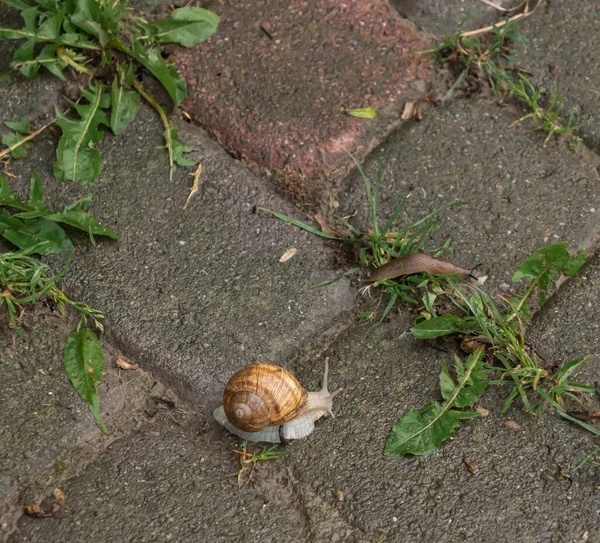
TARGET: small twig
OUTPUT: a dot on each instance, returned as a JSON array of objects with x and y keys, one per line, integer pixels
[
  {"x": 490, "y": 28},
  {"x": 163, "y": 117},
  {"x": 505, "y": 10},
  {"x": 14, "y": 146}
]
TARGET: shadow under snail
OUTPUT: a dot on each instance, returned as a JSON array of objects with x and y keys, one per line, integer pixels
[{"x": 264, "y": 402}]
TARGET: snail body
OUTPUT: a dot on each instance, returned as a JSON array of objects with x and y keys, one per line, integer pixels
[{"x": 264, "y": 402}]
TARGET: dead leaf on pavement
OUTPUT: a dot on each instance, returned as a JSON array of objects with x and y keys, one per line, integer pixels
[
  {"x": 470, "y": 466},
  {"x": 324, "y": 226},
  {"x": 124, "y": 364},
  {"x": 196, "y": 175},
  {"x": 512, "y": 424},
  {"x": 36, "y": 511},
  {"x": 482, "y": 411},
  {"x": 288, "y": 255}
]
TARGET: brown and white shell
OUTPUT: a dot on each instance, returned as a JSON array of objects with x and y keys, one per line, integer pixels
[
  {"x": 264, "y": 402},
  {"x": 263, "y": 395}
]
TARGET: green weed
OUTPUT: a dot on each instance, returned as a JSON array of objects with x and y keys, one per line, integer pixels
[
  {"x": 490, "y": 59},
  {"x": 102, "y": 40},
  {"x": 249, "y": 460},
  {"x": 492, "y": 333}
]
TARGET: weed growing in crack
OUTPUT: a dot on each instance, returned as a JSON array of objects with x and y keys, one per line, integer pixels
[
  {"x": 250, "y": 459},
  {"x": 491, "y": 333},
  {"x": 108, "y": 48},
  {"x": 475, "y": 61}
]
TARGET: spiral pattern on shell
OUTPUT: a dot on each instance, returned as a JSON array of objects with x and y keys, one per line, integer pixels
[{"x": 262, "y": 395}]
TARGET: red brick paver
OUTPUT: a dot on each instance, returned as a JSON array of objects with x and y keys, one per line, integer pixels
[{"x": 275, "y": 82}]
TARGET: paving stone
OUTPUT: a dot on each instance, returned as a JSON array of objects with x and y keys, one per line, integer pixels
[
  {"x": 429, "y": 14},
  {"x": 519, "y": 493},
  {"x": 46, "y": 430},
  {"x": 193, "y": 293},
  {"x": 521, "y": 195},
  {"x": 563, "y": 50},
  {"x": 173, "y": 484},
  {"x": 275, "y": 82}
]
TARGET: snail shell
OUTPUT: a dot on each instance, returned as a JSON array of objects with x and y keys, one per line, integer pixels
[{"x": 262, "y": 399}]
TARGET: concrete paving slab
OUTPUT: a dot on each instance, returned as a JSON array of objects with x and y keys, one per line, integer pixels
[
  {"x": 172, "y": 484},
  {"x": 47, "y": 433},
  {"x": 563, "y": 50},
  {"x": 522, "y": 196},
  {"x": 275, "y": 82},
  {"x": 428, "y": 15},
  {"x": 518, "y": 495},
  {"x": 193, "y": 293}
]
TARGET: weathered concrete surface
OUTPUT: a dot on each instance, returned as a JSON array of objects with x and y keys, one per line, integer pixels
[
  {"x": 428, "y": 15},
  {"x": 178, "y": 484},
  {"x": 520, "y": 494},
  {"x": 521, "y": 196},
  {"x": 563, "y": 50},
  {"x": 275, "y": 82},
  {"x": 193, "y": 293},
  {"x": 47, "y": 433}
]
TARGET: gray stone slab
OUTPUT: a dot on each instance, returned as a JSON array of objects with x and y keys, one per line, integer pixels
[
  {"x": 193, "y": 293},
  {"x": 567, "y": 326},
  {"x": 172, "y": 484},
  {"x": 521, "y": 195},
  {"x": 46, "y": 431},
  {"x": 563, "y": 50},
  {"x": 518, "y": 495},
  {"x": 429, "y": 14}
]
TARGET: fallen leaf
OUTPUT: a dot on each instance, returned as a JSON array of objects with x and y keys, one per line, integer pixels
[
  {"x": 512, "y": 424},
  {"x": 364, "y": 113},
  {"x": 196, "y": 175},
  {"x": 483, "y": 412},
  {"x": 37, "y": 512},
  {"x": 324, "y": 226},
  {"x": 409, "y": 110},
  {"x": 124, "y": 364},
  {"x": 288, "y": 255},
  {"x": 470, "y": 466}
]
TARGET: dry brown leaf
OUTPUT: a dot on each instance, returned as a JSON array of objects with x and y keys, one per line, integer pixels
[
  {"x": 324, "y": 226},
  {"x": 288, "y": 255},
  {"x": 409, "y": 110},
  {"x": 196, "y": 175},
  {"x": 470, "y": 466},
  {"x": 512, "y": 424},
  {"x": 482, "y": 411},
  {"x": 36, "y": 511},
  {"x": 124, "y": 364}
]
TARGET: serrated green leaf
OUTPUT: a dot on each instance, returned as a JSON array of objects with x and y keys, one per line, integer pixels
[
  {"x": 21, "y": 126},
  {"x": 364, "y": 113},
  {"x": 88, "y": 17},
  {"x": 36, "y": 193},
  {"x": 83, "y": 360},
  {"x": 24, "y": 54},
  {"x": 50, "y": 28},
  {"x": 187, "y": 26},
  {"x": 38, "y": 235},
  {"x": 77, "y": 158},
  {"x": 437, "y": 327},
  {"x": 49, "y": 60},
  {"x": 179, "y": 148},
  {"x": 12, "y": 139},
  {"x": 125, "y": 105},
  {"x": 82, "y": 220},
  {"x": 423, "y": 431},
  {"x": 158, "y": 67}
]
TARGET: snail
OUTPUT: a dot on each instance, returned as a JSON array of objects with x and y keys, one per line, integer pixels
[{"x": 263, "y": 400}]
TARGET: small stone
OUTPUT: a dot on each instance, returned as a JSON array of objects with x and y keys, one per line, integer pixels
[
  {"x": 504, "y": 287},
  {"x": 339, "y": 495}
]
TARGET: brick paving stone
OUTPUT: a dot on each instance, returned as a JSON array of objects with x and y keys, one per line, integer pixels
[{"x": 275, "y": 82}]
